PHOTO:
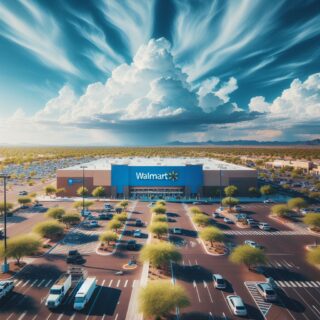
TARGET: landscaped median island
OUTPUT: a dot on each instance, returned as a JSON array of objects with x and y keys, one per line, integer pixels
[
  {"x": 212, "y": 237},
  {"x": 160, "y": 297},
  {"x": 114, "y": 229}
]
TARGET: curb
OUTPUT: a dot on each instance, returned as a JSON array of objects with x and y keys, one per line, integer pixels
[{"x": 203, "y": 245}]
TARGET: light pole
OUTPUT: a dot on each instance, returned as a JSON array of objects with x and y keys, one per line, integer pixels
[
  {"x": 5, "y": 265},
  {"x": 83, "y": 167}
]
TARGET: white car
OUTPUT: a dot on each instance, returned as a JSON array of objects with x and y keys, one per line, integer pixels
[
  {"x": 236, "y": 305},
  {"x": 264, "y": 226},
  {"x": 266, "y": 291},
  {"x": 268, "y": 201},
  {"x": 252, "y": 244},
  {"x": 177, "y": 231},
  {"x": 227, "y": 220},
  {"x": 218, "y": 281},
  {"x": 137, "y": 233},
  {"x": 237, "y": 208},
  {"x": 220, "y": 209}
]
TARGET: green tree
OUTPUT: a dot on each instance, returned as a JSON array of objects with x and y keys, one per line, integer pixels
[
  {"x": 159, "y": 298},
  {"x": 312, "y": 220},
  {"x": 114, "y": 224},
  {"x": 108, "y": 236},
  {"x": 159, "y": 209},
  {"x": 248, "y": 255},
  {"x": 280, "y": 210},
  {"x": 195, "y": 210},
  {"x": 313, "y": 256},
  {"x": 99, "y": 192},
  {"x": 55, "y": 213},
  {"x": 160, "y": 218},
  {"x": 160, "y": 254},
  {"x": 123, "y": 204},
  {"x": 60, "y": 191},
  {"x": 230, "y": 190},
  {"x": 160, "y": 203},
  {"x": 253, "y": 192},
  {"x": 122, "y": 217},
  {"x": 212, "y": 234},
  {"x": 9, "y": 206},
  {"x": 297, "y": 203},
  {"x": 50, "y": 190},
  {"x": 201, "y": 219},
  {"x": 266, "y": 190},
  {"x": 24, "y": 201},
  {"x": 158, "y": 228},
  {"x": 78, "y": 204},
  {"x": 71, "y": 218},
  {"x": 82, "y": 192},
  {"x": 49, "y": 229},
  {"x": 229, "y": 202},
  {"x": 21, "y": 246}
]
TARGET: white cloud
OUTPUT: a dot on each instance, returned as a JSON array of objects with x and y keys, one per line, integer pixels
[
  {"x": 152, "y": 93},
  {"x": 300, "y": 102}
]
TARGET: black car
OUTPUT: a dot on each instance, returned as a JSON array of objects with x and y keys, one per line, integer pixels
[
  {"x": 139, "y": 223},
  {"x": 74, "y": 257},
  {"x": 132, "y": 245},
  {"x": 1, "y": 234}
]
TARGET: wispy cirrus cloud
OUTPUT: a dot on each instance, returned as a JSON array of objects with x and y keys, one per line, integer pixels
[{"x": 38, "y": 33}]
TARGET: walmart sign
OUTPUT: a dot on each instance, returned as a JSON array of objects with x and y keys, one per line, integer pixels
[
  {"x": 173, "y": 176},
  {"x": 159, "y": 176}
]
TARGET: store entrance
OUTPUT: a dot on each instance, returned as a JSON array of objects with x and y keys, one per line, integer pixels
[{"x": 156, "y": 192}]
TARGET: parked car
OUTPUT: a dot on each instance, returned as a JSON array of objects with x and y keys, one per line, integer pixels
[
  {"x": 264, "y": 226},
  {"x": 268, "y": 201},
  {"x": 220, "y": 209},
  {"x": 74, "y": 256},
  {"x": 139, "y": 223},
  {"x": 177, "y": 230},
  {"x": 93, "y": 224},
  {"x": 236, "y": 305},
  {"x": 85, "y": 213},
  {"x": 137, "y": 233},
  {"x": 108, "y": 206},
  {"x": 266, "y": 291},
  {"x": 37, "y": 204},
  {"x": 241, "y": 216},
  {"x": 252, "y": 244},
  {"x": 252, "y": 223},
  {"x": 6, "y": 287},
  {"x": 218, "y": 281},
  {"x": 23, "y": 193},
  {"x": 227, "y": 220},
  {"x": 217, "y": 215},
  {"x": 105, "y": 216},
  {"x": 237, "y": 208},
  {"x": 132, "y": 245}
]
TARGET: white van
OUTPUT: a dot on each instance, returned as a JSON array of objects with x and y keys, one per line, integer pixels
[{"x": 84, "y": 293}]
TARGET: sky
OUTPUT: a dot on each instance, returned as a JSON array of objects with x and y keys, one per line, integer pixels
[{"x": 147, "y": 72}]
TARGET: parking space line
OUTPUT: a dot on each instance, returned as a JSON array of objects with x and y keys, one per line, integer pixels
[
  {"x": 207, "y": 287},
  {"x": 195, "y": 286},
  {"x": 306, "y": 304},
  {"x": 25, "y": 283},
  {"x": 17, "y": 285},
  {"x": 47, "y": 284},
  {"x": 118, "y": 283},
  {"x": 40, "y": 283},
  {"x": 125, "y": 284},
  {"x": 22, "y": 316},
  {"x": 109, "y": 285}
]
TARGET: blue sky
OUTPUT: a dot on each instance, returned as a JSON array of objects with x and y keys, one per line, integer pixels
[{"x": 153, "y": 71}]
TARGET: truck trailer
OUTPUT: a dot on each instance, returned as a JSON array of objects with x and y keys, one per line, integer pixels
[{"x": 84, "y": 293}]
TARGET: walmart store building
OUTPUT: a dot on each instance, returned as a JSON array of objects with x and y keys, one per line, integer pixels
[{"x": 156, "y": 177}]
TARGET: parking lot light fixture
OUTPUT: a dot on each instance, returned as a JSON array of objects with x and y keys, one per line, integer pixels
[
  {"x": 5, "y": 265},
  {"x": 83, "y": 167}
]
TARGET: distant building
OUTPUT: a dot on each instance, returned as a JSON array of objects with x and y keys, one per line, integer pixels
[
  {"x": 139, "y": 177},
  {"x": 306, "y": 166}
]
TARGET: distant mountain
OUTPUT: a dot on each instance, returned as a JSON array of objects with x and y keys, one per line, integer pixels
[{"x": 315, "y": 142}]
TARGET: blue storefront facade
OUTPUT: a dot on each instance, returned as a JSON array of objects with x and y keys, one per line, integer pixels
[{"x": 132, "y": 181}]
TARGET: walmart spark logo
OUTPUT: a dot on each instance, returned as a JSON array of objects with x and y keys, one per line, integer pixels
[{"x": 173, "y": 175}]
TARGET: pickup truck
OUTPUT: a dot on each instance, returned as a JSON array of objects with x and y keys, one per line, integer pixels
[
  {"x": 58, "y": 291},
  {"x": 5, "y": 288}
]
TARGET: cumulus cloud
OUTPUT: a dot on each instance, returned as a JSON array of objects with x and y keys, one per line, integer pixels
[{"x": 150, "y": 93}]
